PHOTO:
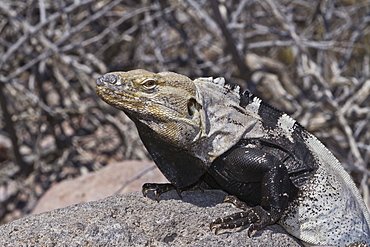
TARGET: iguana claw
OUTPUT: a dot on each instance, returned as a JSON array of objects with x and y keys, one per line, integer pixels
[{"x": 158, "y": 189}]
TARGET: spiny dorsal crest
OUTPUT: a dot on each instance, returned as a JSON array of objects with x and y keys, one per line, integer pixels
[{"x": 221, "y": 81}]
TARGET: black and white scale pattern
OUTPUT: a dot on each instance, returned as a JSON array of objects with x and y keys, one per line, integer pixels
[{"x": 329, "y": 210}]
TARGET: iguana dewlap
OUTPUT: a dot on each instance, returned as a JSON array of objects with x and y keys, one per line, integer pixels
[{"x": 203, "y": 131}]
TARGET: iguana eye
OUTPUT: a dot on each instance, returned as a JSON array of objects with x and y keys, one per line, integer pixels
[{"x": 149, "y": 84}]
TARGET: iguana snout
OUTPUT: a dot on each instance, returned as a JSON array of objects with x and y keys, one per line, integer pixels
[{"x": 108, "y": 79}]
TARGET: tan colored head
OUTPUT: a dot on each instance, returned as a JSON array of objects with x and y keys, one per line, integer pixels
[{"x": 165, "y": 102}]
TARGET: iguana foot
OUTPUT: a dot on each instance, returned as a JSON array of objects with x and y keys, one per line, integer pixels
[
  {"x": 254, "y": 217},
  {"x": 159, "y": 189}
]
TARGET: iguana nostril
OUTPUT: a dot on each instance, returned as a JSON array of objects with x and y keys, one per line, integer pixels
[
  {"x": 100, "y": 81},
  {"x": 107, "y": 79}
]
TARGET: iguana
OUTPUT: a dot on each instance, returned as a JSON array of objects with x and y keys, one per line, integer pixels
[{"x": 204, "y": 131}]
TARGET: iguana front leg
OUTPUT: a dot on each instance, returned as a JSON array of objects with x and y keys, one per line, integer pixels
[{"x": 259, "y": 179}]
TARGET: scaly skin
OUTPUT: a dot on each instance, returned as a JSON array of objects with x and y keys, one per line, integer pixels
[{"x": 204, "y": 132}]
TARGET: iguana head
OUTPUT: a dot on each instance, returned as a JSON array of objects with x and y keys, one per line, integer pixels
[
  {"x": 165, "y": 102},
  {"x": 203, "y": 117}
]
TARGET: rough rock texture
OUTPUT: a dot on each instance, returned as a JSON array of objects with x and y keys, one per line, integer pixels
[
  {"x": 132, "y": 220},
  {"x": 98, "y": 185}
]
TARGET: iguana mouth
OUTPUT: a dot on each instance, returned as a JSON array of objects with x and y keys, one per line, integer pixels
[{"x": 109, "y": 90}]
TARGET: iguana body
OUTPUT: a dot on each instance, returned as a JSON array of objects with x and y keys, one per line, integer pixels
[{"x": 205, "y": 131}]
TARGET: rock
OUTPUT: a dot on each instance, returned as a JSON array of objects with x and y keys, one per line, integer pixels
[
  {"x": 134, "y": 220},
  {"x": 98, "y": 185}
]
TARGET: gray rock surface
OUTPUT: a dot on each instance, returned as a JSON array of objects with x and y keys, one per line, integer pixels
[{"x": 133, "y": 220}]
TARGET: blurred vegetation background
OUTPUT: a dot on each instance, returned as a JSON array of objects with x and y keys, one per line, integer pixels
[{"x": 310, "y": 58}]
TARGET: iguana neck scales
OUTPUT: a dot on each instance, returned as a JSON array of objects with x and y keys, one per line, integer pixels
[{"x": 205, "y": 131}]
